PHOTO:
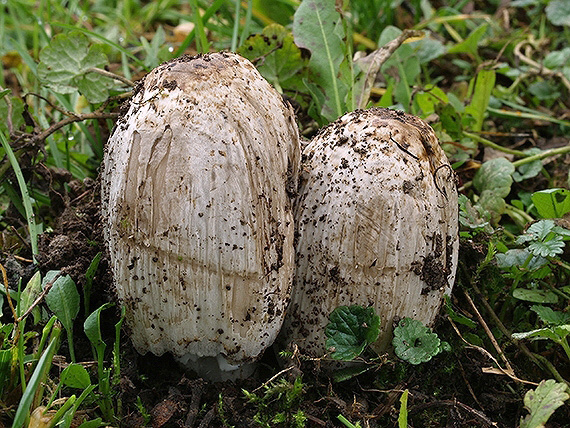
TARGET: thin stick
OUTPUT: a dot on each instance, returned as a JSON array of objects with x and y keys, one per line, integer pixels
[{"x": 488, "y": 331}]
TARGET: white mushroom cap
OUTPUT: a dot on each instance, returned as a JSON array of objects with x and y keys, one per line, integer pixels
[
  {"x": 197, "y": 212},
  {"x": 377, "y": 225}
]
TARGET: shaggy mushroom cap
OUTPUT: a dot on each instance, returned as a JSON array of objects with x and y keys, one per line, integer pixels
[
  {"x": 197, "y": 213},
  {"x": 377, "y": 225}
]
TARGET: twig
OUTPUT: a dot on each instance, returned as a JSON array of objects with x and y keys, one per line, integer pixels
[
  {"x": 488, "y": 332},
  {"x": 375, "y": 61},
  {"x": 36, "y": 302},
  {"x": 273, "y": 378},
  {"x": 9, "y": 123},
  {"x": 112, "y": 75},
  {"x": 7, "y": 290},
  {"x": 75, "y": 118},
  {"x": 539, "y": 68},
  {"x": 454, "y": 404},
  {"x": 542, "y": 155}
]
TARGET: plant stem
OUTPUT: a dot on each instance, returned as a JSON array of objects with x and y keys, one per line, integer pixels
[
  {"x": 30, "y": 216},
  {"x": 544, "y": 154},
  {"x": 495, "y": 146}
]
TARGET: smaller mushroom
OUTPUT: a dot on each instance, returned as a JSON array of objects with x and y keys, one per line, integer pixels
[{"x": 376, "y": 224}]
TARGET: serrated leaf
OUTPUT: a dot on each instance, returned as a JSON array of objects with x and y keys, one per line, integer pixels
[
  {"x": 550, "y": 316},
  {"x": 316, "y": 27},
  {"x": 65, "y": 67},
  {"x": 414, "y": 342},
  {"x": 350, "y": 330},
  {"x": 537, "y": 231},
  {"x": 542, "y": 402},
  {"x": 275, "y": 55},
  {"x": 75, "y": 376},
  {"x": 548, "y": 248},
  {"x": 535, "y": 296},
  {"x": 552, "y": 203},
  {"x": 517, "y": 258},
  {"x": 558, "y": 12},
  {"x": 495, "y": 175}
]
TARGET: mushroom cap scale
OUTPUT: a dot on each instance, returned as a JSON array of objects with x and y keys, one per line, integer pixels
[
  {"x": 376, "y": 223},
  {"x": 197, "y": 215}
]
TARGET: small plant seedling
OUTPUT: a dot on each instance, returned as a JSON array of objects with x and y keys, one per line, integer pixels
[
  {"x": 415, "y": 343},
  {"x": 350, "y": 330}
]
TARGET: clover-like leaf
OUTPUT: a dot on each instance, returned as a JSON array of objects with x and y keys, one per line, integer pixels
[
  {"x": 541, "y": 402},
  {"x": 66, "y": 66},
  {"x": 495, "y": 175},
  {"x": 414, "y": 342},
  {"x": 350, "y": 330}
]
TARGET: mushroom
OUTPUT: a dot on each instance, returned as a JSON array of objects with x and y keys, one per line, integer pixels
[
  {"x": 197, "y": 211},
  {"x": 376, "y": 223}
]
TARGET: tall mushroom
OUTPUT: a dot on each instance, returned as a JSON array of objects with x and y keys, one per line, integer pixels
[
  {"x": 377, "y": 224},
  {"x": 197, "y": 213}
]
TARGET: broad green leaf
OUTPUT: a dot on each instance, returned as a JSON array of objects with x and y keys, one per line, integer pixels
[
  {"x": 552, "y": 203},
  {"x": 558, "y": 12},
  {"x": 316, "y": 27},
  {"x": 544, "y": 90},
  {"x": 66, "y": 63},
  {"x": 495, "y": 175},
  {"x": 541, "y": 402},
  {"x": 414, "y": 342},
  {"x": 92, "y": 327},
  {"x": 535, "y": 296},
  {"x": 350, "y": 330},
  {"x": 484, "y": 84},
  {"x": 347, "y": 373},
  {"x": 276, "y": 56},
  {"x": 75, "y": 376},
  {"x": 470, "y": 44},
  {"x": 550, "y": 316},
  {"x": 63, "y": 301},
  {"x": 89, "y": 275}
]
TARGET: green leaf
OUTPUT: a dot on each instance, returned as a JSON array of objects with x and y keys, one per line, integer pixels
[
  {"x": 37, "y": 376},
  {"x": 535, "y": 296},
  {"x": 552, "y": 203},
  {"x": 92, "y": 327},
  {"x": 95, "y": 423},
  {"x": 65, "y": 67},
  {"x": 528, "y": 170},
  {"x": 403, "y": 415},
  {"x": 495, "y": 175},
  {"x": 75, "y": 376},
  {"x": 484, "y": 84},
  {"x": 350, "y": 330},
  {"x": 517, "y": 258},
  {"x": 414, "y": 342},
  {"x": 548, "y": 248},
  {"x": 557, "y": 59},
  {"x": 276, "y": 56},
  {"x": 541, "y": 402},
  {"x": 558, "y": 12},
  {"x": 461, "y": 319},
  {"x": 470, "y": 44},
  {"x": 537, "y": 231},
  {"x": 63, "y": 301},
  {"x": 30, "y": 294},
  {"x": 550, "y": 316},
  {"x": 317, "y": 28}
]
